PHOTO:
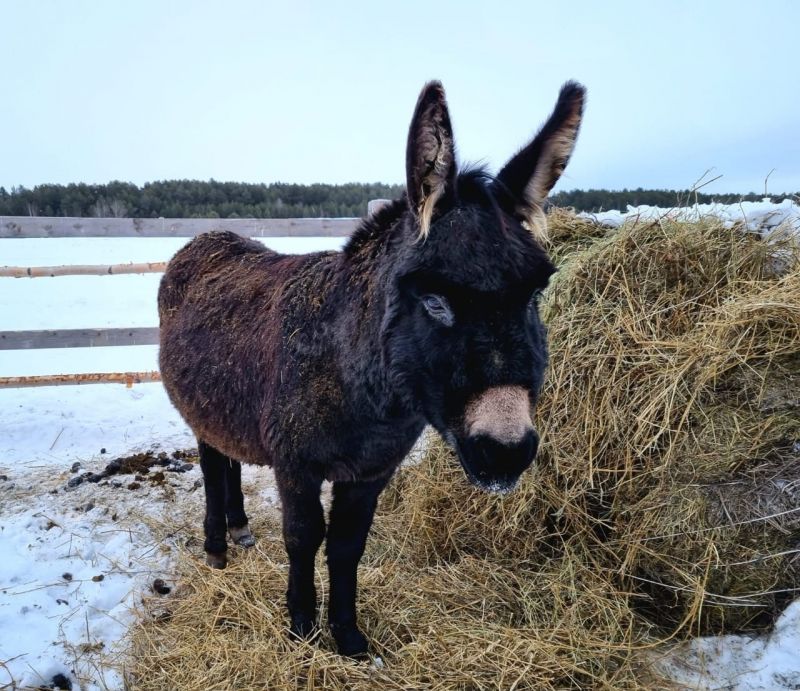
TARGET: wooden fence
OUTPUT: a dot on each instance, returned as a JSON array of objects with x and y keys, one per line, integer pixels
[
  {"x": 45, "y": 227},
  {"x": 41, "y": 227},
  {"x": 127, "y": 378},
  {"x": 78, "y": 338},
  {"x": 81, "y": 270}
]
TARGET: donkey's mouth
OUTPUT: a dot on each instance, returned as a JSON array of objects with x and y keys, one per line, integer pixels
[{"x": 491, "y": 466}]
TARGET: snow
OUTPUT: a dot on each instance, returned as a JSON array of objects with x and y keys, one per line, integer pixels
[
  {"x": 113, "y": 541},
  {"x": 764, "y": 216},
  {"x": 66, "y": 591},
  {"x": 740, "y": 663},
  {"x": 71, "y": 302},
  {"x": 54, "y": 426},
  {"x": 75, "y": 360},
  {"x": 75, "y": 562}
]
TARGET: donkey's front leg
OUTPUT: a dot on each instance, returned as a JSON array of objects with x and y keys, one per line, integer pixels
[
  {"x": 349, "y": 522},
  {"x": 303, "y": 532}
]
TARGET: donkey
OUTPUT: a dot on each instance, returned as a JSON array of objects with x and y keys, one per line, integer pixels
[{"x": 328, "y": 366}]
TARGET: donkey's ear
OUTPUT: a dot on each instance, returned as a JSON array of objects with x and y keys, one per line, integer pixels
[
  {"x": 530, "y": 175},
  {"x": 430, "y": 155}
]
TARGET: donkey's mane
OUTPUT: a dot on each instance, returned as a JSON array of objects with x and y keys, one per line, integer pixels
[
  {"x": 474, "y": 184},
  {"x": 376, "y": 224}
]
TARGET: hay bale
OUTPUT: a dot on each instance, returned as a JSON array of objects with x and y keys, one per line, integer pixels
[
  {"x": 737, "y": 567},
  {"x": 664, "y": 501},
  {"x": 569, "y": 233},
  {"x": 671, "y": 411}
]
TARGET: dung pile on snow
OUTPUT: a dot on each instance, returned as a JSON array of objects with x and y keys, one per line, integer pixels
[{"x": 665, "y": 501}]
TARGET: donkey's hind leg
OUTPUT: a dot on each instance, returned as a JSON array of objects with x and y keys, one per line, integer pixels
[
  {"x": 213, "y": 465},
  {"x": 238, "y": 528}
]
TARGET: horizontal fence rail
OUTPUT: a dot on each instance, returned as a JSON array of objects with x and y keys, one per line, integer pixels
[
  {"x": 56, "y": 227},
  {"x": 78, "y": 338},
  {"x": 82, "y": 270},
  {"x": 53, "y": 227},
  {"x": 127, "y": 378}
]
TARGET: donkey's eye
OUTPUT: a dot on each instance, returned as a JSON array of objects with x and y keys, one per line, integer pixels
[
  {"x": 437, "y": 307},
  {"x": 536, "y": 298}
]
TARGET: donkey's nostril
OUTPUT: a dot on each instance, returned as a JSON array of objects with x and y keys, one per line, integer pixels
[
  {"x": 532, "y": 440},
  {"x": 526, "y": 450}
]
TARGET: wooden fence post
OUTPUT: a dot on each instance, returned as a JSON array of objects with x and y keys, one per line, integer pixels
[{"x": 375, "y": 205}]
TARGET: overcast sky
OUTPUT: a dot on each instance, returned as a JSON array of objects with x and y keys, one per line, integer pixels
[{"x": 323, "y": 91}]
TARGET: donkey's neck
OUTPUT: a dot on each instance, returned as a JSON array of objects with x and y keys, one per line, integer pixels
[{"x": 364, "y": 285}]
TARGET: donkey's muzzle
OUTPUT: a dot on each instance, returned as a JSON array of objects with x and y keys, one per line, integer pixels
[{"x": 496, "y": 466}]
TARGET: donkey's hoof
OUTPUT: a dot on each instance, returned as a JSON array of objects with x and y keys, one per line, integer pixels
[
  {"x": 245, "y": 541},
  {"x": 350, "y": 642},
  {"x": 242, "y": 536},
  {"x": 303, "y": 626},
  {"x": 217, "y": 560}
]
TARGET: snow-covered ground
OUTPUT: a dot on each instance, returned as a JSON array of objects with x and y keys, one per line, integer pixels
[
  {"x": 74, "y": 564},
  {"x": 743, "y": 663},
  {"x": 75, "y": 561}
]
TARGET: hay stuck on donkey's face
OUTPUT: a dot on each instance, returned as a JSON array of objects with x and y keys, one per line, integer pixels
[{"x": 329, "y": 365}]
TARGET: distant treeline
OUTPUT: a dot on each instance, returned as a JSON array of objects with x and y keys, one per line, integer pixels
[
  {"x": 194, "y": 199},
  {"x": 212, "y": 199}
]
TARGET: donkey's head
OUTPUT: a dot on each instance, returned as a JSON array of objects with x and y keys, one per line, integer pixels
[{"x": 462, "y": 331}]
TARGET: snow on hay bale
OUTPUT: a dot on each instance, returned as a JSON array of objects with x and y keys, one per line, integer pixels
[
  {"x": 665, "y": 501},
  {"x": 763, "y": 217}
]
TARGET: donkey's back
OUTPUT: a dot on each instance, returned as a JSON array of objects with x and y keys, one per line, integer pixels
[
  {"x": 221, "y": 308},
  {"x": 208, "y": 256}
]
